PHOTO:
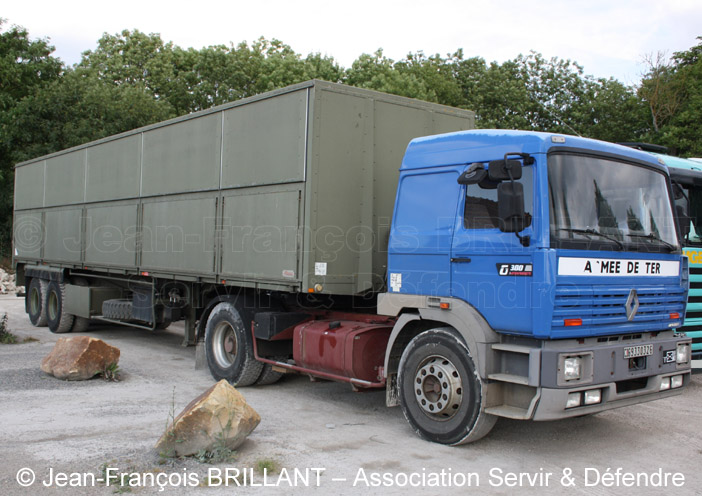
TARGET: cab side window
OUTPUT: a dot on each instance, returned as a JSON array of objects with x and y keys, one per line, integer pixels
[{"x": 481, "y": 202}]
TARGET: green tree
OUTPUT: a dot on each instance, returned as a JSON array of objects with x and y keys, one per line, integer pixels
[
  {"x": 26, "y": 66},
  {"x": 683, "y": 132},
  {"x": 377, "y": 72}
]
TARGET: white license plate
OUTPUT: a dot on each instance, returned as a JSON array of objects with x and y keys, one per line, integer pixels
[{"x": 638, "y": 351}]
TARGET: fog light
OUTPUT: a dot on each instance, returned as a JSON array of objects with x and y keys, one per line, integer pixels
[
  {"x": 573, "y": 400},
  {"x": 676, "y": 381},
  {"x": 593, "y": 396},
  {"x": 665, "y": 383},
  {"x": 683, "y": 354},
  {"x": 572, "y": 368}
]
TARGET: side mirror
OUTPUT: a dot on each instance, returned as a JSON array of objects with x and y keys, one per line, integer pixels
[
  {"x": 684, "y": 221},
  {"x": 473, "y": 174},
  {"x": 499, "y": 170},
  {"x": 510, "y": 207},
  {"x": 678, "y": 192}
]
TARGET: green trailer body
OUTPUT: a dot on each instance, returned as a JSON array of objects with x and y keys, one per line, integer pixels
[{"x": 291, "y": 190}]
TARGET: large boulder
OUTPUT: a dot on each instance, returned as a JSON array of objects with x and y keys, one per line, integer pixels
[
  {"x": 79, "y": 358},
  {"x": 219, "y": 416}
]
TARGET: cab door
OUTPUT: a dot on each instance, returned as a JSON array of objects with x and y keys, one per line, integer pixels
[{"x": 490, "y": 269}]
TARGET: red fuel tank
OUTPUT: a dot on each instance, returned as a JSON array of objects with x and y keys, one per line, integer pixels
[{"x": 342, "y": 347}]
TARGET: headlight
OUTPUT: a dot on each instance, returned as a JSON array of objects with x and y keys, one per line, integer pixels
[
  {"x": 683, "y": 353},
  {"x": 572, "y": 368},
  {"x": 665, "y": 383},
  {"x": 676, "y": 381}
]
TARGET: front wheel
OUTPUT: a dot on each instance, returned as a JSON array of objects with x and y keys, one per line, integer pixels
[
  {"x": 229, "y": 347},
  {"x": 441, "y": 392}
]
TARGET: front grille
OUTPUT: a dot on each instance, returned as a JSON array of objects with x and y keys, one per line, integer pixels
[{"x": 602, "y": 309}]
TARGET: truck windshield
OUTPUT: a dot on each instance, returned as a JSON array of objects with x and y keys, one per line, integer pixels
[
  {"x": 601, "y": 204},
  {"x": 690, "y": 202}
]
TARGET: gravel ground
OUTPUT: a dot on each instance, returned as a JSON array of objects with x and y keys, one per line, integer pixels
[{"x": 354, "y": 443}]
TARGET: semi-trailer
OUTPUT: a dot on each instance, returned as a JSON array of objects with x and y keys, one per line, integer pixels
[{"x": 498, "y": 274}]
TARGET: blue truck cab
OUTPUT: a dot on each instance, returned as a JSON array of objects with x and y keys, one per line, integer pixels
[{"x": 533, "y": 276}]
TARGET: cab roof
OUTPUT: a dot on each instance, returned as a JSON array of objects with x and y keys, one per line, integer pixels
[{"x": 481, "y": 145}]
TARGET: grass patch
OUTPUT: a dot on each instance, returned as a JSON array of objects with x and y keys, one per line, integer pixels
[
  {"x": 30, "y": 339},
  {"x": 266, "y": 465},
  {"x": 168, "y": 454},
  {"x": 6, "y": 337},
  {"x": 111, "y": 373}
]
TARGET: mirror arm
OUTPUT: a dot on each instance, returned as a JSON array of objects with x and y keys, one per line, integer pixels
[{"x": 528, "y": 160}]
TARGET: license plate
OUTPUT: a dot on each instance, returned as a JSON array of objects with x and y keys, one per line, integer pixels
[{"x": 638, "y": 351}]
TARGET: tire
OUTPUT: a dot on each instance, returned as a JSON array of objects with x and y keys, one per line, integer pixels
[
  {"x": 439, "y": 410},
  {"x": 229, "y": 347},
  {"x": 118, "y": 309},
  {"x": 36, "y": 308},
  {"x": 59, "y": 321},
  {"x": 80, "y": 324},
  {"x": 163, "y": 325},
  {"x": 268, "y": 376}
]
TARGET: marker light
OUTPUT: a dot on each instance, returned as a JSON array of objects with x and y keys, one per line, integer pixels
[
  {"x": 572, "y": 322},
  {"x": 683, "y": 354},
  {"x": 674, "y": 315}
]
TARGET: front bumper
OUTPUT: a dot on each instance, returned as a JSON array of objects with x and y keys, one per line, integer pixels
[{"x": 551, "y": 402}]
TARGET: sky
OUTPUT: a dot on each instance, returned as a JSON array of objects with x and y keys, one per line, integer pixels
[{"x": 609, "y": 38}]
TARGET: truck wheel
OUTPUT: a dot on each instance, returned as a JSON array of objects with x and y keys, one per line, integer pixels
[
  {"x": 229, "y": 347},
  {"x": 163, "y": 325},
  {"x": 80, "y": 324},
  {"x": 36, "y": 294},
  {"x": 440, "y": 391},
  {"x": 59, "y": 321},
  {"x": 268, "y": 376}
]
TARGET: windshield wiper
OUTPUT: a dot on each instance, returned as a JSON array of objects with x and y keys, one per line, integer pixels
[
  {"x": 653, "y": 237},
  {"x": 592, "y": 232}
]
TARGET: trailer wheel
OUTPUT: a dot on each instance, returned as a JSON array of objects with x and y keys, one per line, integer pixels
[
  {"x": 440, "y": 391},
  {"x": 36, "y": 294},
  {"x": 229, "y": 347},
  {"x": 59, "y": 321},
  {"x": 80, "y": 324}
]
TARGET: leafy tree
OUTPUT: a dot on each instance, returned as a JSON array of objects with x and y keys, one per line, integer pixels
[
  {"x": 684, "y": 130},
  {"x": 377, "y": 72},
  {"x": 25, "y": 66},
  {"x": 135, "y": 59}
]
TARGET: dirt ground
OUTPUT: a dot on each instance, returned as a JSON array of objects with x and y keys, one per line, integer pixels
[{"x": 323, "y": 438}]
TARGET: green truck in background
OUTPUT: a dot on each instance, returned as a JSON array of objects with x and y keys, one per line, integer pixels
[{"x": 686, "y": 176}]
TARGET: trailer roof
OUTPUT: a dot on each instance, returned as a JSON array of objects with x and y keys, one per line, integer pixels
[{"x": 313, "y": 83}]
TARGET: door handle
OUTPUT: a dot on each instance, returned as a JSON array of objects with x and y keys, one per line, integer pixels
[{"x": 460, "y": 260}]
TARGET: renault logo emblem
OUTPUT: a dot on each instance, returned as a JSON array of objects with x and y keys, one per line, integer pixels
[{"x": 632, "y": 305}]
